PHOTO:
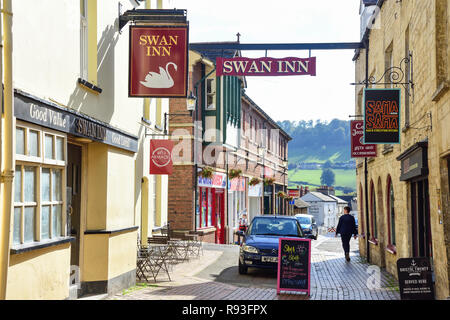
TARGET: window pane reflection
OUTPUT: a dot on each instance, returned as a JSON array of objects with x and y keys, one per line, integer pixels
[
  {"x": 56, "y": 221},
  {"x": 16, "y": 232},
  {"x": 29, "y": 224},
  {"x": 56, "y": 185},
  {"x": 45, "y": 184},
  {"x": 59, "y": 148},
  {"x": 45, "y": 222},
  {"x": 18, "y": 184},
  {"x": 20, "y": 141},
  {"x": 33, "y": 143},
  {"x": 29, "y": 184},
  {"x": 49, "y": 146}
]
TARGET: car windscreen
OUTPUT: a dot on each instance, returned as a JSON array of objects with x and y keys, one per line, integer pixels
[
  {"x": 275, "y": 227},
  {"x": 304, "y": 220}
]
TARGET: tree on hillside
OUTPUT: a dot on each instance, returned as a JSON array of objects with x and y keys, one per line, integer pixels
[
  {"x": 327, "y": 165},
  {"x": 327, "y": 178}
]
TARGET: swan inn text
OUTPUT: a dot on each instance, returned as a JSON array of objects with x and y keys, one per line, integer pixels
[{"x": 158, "y": 46}]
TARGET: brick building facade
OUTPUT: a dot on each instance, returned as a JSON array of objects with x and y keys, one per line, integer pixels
[{"x": 227, "y": 133}]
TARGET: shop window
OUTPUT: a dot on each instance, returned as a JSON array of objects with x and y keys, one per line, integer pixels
[
  {"x": 205, "y": 218},
  {"x": 38, "y": 186},
  {"x": 391, "y": 212}
]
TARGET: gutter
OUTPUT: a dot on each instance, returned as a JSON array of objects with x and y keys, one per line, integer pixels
[{"x": 367, "y": 33}]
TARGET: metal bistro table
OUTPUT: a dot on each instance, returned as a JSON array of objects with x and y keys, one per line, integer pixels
[{"x": 153, "y": 258}]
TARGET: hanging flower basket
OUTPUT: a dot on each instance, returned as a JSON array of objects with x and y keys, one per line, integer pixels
[
  {"x": 206, "y": 173},
  {"x": 289, "y": 198},
  {"x": 254, "y": 181},
  {"x": 269, "y": 181},
  {"x": 234, "y": 173},
  {"x": 281, "y": 194}
]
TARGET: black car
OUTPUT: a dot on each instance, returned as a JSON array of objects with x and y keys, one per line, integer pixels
[{"x": 259, "y": 249}]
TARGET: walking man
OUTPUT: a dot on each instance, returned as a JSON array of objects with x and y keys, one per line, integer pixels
[{"x": 346, "y": 228}]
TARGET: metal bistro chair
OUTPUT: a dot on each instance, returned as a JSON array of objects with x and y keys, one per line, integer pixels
[
  {"x": 196, "y": 242},
  {"x": 142, "y": 265},
  {"x": 158, "y": 260}
]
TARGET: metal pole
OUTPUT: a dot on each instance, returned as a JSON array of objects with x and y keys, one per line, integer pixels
[
  {"x": 8, "y": 154},
  {"x": 365, "y": 167}
]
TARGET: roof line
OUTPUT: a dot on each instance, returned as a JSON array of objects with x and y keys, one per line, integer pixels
[{"x": 245, "y": 96}]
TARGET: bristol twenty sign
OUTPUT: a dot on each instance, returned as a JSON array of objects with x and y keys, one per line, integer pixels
[
  {"x": 158, "y": 61},
  {"x": 415, "y": 279},
  {"x": 241, "y": 66},
  {"x": 382, "y": 116}
]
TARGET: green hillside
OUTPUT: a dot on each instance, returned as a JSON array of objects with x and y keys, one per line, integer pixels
[
  {"x": 319, "y": 141},
  {"x": 315, "y": 143},
  {"x": 344, "y": 178}
]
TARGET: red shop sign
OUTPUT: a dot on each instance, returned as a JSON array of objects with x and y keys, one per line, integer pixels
[
  {"x": 358, "y": 148},
  {"x": 294, "y": 193},
  {"x": 158, "y": 61},
  {"x": 161, "y": 156}
]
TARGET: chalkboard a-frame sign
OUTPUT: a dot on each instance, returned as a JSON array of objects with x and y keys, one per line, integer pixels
[
  {"x": 294, "y": 265},
  {"x": 415, "y": 279}
]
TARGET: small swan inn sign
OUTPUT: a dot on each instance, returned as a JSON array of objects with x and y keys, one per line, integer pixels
[{"x": 158, "y": 61}]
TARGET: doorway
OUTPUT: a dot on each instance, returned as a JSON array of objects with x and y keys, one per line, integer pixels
[
  {"x": 420, "y": 215},
  {"x": 220, "y": 217},
  {"x": 73, "y": 197}
]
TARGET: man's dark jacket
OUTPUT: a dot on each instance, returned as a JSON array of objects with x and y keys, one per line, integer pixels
[{"x": 346, "y": 225}]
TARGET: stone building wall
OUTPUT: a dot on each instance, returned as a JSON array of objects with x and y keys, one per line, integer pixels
[{"x": 428, "y": 41}]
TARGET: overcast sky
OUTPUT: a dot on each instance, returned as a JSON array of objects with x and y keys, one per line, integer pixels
[{"x": 326, "y": 96}]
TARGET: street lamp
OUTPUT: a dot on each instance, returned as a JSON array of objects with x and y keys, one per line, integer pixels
[{"x": 191, "y": 102}]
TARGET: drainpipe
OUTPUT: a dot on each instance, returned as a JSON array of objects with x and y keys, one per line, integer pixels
[
  {"x": 8, "y": 154},
  {"x": 366, "y": 187}
]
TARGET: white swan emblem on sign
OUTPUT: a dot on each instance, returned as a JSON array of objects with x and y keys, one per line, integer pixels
[{"x": 161, "y": 79}]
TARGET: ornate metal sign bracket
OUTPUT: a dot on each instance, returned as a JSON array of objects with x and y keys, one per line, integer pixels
[{"x": 398, "y": 75}]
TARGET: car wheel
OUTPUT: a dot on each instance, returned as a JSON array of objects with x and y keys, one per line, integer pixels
[{"x": 242, "y": 269}]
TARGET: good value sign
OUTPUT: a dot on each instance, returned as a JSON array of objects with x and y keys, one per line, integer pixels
[
  {"x": 158, "y": 61},
  {"x": 161, "y": 156}
]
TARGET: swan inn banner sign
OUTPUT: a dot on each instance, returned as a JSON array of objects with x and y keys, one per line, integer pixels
[
  {"x": 158, "y": 61},
  {"x": 240, "y": 66}
]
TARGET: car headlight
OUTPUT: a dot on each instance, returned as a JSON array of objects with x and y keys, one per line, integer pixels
[{"x": 250, "y": 249}]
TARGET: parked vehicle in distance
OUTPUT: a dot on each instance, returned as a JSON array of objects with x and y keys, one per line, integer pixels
[
  {"x": 308, "y": 224},
  {"x": 259, "y": 248}
]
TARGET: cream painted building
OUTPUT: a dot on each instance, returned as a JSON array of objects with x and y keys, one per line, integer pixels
[
  {"x": 408, "y": 183},
  {"x": 82, "y": 192}
]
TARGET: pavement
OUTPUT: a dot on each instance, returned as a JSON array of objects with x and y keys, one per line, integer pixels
[{"x": 214, "y": 276}]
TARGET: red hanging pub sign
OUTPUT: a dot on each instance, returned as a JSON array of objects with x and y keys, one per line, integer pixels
[
  {"x": 161, "y": 157},
  {"x": 158, "y": 61},
  {"x": 358, "y": 148}
]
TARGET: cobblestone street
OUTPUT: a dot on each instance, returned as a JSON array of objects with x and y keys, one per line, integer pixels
[{"x": 214, "y": 276}]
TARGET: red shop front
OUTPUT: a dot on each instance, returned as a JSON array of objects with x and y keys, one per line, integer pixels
[{"x": 210, "y": 209}]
